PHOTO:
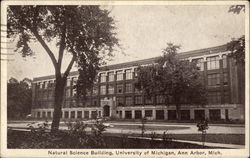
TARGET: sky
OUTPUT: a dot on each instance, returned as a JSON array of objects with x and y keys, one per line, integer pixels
[{"x": 143, "y": 32}]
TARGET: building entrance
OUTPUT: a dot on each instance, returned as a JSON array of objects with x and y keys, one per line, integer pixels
[{"x": 106, "y": 111}]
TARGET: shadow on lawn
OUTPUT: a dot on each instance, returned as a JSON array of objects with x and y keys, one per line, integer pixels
[{"x": 63, "y": 140}]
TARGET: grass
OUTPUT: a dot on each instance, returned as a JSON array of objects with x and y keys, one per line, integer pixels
[
  {"x": 62, "y": 140},
  {"x": 214, "y": 138},
  {"x": 238, "y": 139}
]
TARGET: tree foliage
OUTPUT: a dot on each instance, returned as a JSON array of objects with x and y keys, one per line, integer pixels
[
  {"x": 236, "y": 9},
  {"x": 178, "y": 81},
  {"x": 19, "y": 98},
  {"x": 86, "y": 32},
  {"x": 237, "y": 46},
  {"x": 237, "y": 49}
]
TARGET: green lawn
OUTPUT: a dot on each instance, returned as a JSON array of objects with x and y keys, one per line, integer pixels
[{"x": 214, "y": 138}]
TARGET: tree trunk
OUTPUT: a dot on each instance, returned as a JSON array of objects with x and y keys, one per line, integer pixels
[
  {"x": 178, "y": 111},
  {"x": 59, "y": 92}
]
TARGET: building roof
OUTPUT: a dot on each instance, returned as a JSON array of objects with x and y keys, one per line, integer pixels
[{"x": 182, "y": 55}]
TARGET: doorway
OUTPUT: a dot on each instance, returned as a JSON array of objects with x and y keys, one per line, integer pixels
[{"x": 106, "y": 111}]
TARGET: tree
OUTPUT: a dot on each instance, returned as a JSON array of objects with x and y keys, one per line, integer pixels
[
  {"x": 85, "y": 32},
  {"x": 177, "y": 81},
  {"x": 237, "y": 46},
  {"x": 237, "y": 49},
  {"x": 18, "y": 98},
  {"x": 236, "y": 9}
]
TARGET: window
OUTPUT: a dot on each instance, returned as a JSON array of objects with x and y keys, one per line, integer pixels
[
  {"x": 137, "y": 90},
  {"x": 200, "y": 63},
  {"x": 214, "y": 97},
  {"x": 226, "y": 97},
  {"x": 138, "y": 114},
  {"x": 213, "y": 80},
  {"x": 51, "y": 94},
  {"x": 79, "y": 114},
  {"x": 94, "y": 114},
  {"x": 159, "y": 114},
  {"x": 128, "y": 74},
  {"x": 119, "y": 88},
  {"x": 111, "y": 76},
  {"x": 224, "y": 61},
  {"x": 138, "y": 100},
  {"x": 128, "y": 87},
  {"x": 50, "y": 84},
  {"x": 160, "y": 99},
  {"x": 128, "y": 115},
  {"x": 119, "y": 75},
  {"x": 103, "y": 77},
  {"x": 40, "y": 94},
  {"x": 199, "y": 114},
  {"x": 67, "y": 104},
  {"x": 44, "y": 85},
  {"x": 95, "y": 102},
  {"x": 148, "y": 100},
  {"x": 213, "y": 63},
  {"x": 44, "y": 114},
  {"x": 225, "y": 78},
  {"x": 119, "y": 101},
  {"x": 171, "y": 114},
  {"x": 66, "y": 114},
  {"x": 51, "y": 104},
  {"x": 103, "y": 90},
  {"x": 95, "y": 90},
  {"x": 110, "y": 89},
  {"x": 128, "y": 101},
  {"x": 185, "y": 114},
  {"x": 39, "y": 104},
  {"x": 45, "y": 95},
  {"x": 214, "y": 114},
  {"x": 72, "y": 114},
  {"x": 87, "y": 102},
  {"x": 148, "y": 113},
  {"x": 37, "y": 85},
  {"x": 38, "y": 114},
  {"x": 86, "y": 114}
]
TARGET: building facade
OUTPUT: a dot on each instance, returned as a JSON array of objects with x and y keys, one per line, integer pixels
[{"x": 114, "y": 94}]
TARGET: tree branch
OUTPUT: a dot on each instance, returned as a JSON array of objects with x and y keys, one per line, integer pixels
[
  {"x": 66, "y": 73},
  {"x": 45, "y": 46},
  {"x": 62, "y": 46}
]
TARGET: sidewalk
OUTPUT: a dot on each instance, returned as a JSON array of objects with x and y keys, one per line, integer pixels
[
  {"x": 159, "y": 123},
  {"x": 175, "y": 128},
  {"x": 177, "y": 123}
]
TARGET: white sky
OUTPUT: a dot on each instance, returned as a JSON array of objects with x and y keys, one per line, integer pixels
[{"x": 144, "y": 31}]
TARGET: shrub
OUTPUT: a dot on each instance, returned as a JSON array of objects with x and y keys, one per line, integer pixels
[
  {"x": 96, "y": 138},
  {"x": 202, "y": 127},
  {"x": 166, "y": 137}
]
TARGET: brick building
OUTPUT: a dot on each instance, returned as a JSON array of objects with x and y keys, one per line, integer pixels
[{"x": 114, "y": 94}]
